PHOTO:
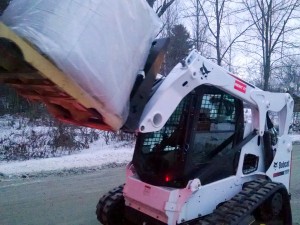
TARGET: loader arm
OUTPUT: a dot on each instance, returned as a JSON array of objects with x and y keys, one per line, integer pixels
[{"x": 194, "y": 71}]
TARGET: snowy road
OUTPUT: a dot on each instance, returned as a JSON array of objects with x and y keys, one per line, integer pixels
[
  {"x": 69, "y": 200},
  {"x": 295, "y": 184}
]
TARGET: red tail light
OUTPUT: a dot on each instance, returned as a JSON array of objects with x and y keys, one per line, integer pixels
[{"x": 167, "y": 178}]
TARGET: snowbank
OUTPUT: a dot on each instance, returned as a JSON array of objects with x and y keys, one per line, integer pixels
[{"x": 97, "y": 155}]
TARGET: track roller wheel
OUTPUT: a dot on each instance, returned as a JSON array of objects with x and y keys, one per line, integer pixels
[
  {"x": 110, "y": 208},
  {"x": 259, "y": 202},
  {"x": 274, "y": 211}
]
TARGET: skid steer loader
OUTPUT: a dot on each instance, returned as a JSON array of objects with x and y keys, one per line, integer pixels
[{"x": 196, "y": 159}]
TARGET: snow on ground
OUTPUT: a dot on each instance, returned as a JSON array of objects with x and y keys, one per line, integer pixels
[{"x": 97, "y": 156}]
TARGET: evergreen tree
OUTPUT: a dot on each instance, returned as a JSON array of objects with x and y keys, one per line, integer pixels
[{"x": 180, "y": 46}]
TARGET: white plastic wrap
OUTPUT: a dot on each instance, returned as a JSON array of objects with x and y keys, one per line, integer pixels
[{"x": 100, "y": 44}]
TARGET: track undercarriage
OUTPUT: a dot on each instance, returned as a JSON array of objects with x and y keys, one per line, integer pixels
[{"x": 259, "y": 202}]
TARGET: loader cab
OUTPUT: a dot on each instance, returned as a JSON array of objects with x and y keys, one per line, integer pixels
[{"x": 196, "y": 142}]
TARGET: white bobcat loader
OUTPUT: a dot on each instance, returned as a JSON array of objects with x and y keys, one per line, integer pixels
[{"x": 196, "y": 161}]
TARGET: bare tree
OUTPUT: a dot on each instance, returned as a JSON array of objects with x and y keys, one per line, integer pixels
[
  {"x": 217, "y": 27},
  {"x": 194, "y": 15},
  {"x": 289, "y": 74},
  {"x": 170, "y": 18},
  {"x": 217, "y": 14},
  {"x": 161, "y": 6},
  {"x": 274, "y": 21}
]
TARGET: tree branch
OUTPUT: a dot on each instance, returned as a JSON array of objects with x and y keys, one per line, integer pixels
[
  {"x": 164, "y": 7},
  {"x": 151, "y": 3},
  {"x": 207, "y": 21},
  {"x": 234, "y": 40},
  {"x": 283, "y": 27}
]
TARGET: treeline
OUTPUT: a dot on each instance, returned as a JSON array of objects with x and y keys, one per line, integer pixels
[
  {"x": 28, "y": 131},
  {"x": 253, "y": 39},
  {"x": 11, "y": 103}
]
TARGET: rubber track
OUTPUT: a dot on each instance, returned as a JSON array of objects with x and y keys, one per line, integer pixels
[
  {"x": 232, "y": 212},
  {"x": 106, "y": 202},
  {"x": 242, "y": 205}
]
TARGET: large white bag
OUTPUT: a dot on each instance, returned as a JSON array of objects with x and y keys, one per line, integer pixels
[{"x": 100, "y": 44}]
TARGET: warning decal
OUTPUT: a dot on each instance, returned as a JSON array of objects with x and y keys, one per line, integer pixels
[
  {"x": 240, "y": 86},
  {"x": 281, "y": 173}
]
